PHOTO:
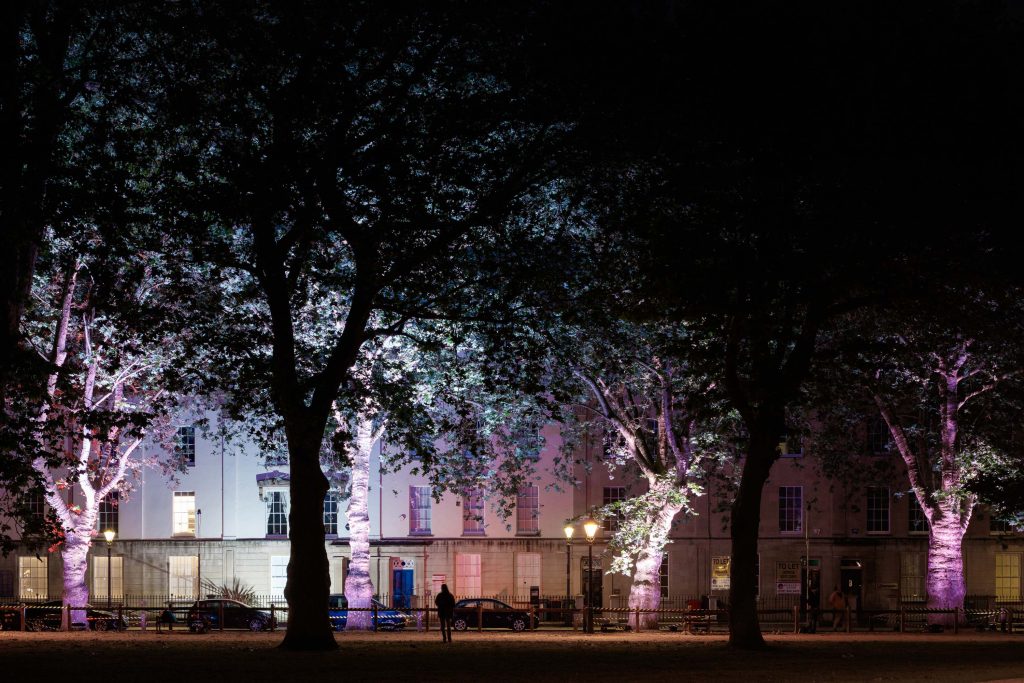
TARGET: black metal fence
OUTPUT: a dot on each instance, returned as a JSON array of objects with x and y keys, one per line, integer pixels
[{"x": 691, "y": 614}]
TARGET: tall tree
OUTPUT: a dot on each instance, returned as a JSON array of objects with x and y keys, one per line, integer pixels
[{"x": 346, "y": 169}]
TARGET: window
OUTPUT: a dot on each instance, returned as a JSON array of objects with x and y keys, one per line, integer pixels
[
  {"x": 528, "y": 511},
  {"x": 917, "y": 523},
  {"x": 99, "y": 578},
  {"x": 33, "y": 582},
  {"x": 912, "y": 577},
  {"x": 663, "y": 575},
  {"x": 878, "y": 510},
  {"x": 183, "y": 575},
  {"x": 613, "y": 494},
  {"x": 108, "y": 512},
  {"x": 1008, "y": 577},
  {"x": 185, "y": 445},
  {"x": 184, "y": 511},
  {"x": 419, "y": 510},
  {"x": 467, "y": 575},
  {"x": 527, "y": 574},
  {"x": 791, "y": 445},
  {"x": 999, "y": 526},
  {"x": 473, "y": 514},
  {"x": 331, "y": 504},
  {"x": 36, "y": 504},
  {"x": 878, "y": 436},
  {"x": 278, "y": 574},
  {"x": 277, "y": 514},
  {"x": 791, "y": 509}
]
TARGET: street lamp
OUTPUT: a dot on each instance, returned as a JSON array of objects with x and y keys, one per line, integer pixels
[
  {"x": 569, "y": 530},
  {"x": 109, "y": 535},
  {"x": 590, "y": 528}
]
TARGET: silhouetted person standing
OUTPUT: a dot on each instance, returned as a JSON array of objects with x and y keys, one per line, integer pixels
[{"x": 445, "y": 603}]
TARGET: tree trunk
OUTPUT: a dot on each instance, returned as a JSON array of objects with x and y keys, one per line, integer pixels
[
  {"x": 744, "y": 626},
  {"x": 309, "y": 580},
  {"x": 75, "y": 553},
  {"x": 645, "y": 593},
  {"x": 358, "y": 588},
  {"x": 945, "y": 579}
]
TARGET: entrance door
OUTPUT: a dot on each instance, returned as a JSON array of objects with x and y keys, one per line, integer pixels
[
  {"x": 401, "y": 586},
  {"x": 591, "y": 576},
  {"x": 851, "y": 575}
]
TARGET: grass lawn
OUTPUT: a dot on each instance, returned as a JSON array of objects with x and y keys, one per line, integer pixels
[{"x": 499, "y": 656}]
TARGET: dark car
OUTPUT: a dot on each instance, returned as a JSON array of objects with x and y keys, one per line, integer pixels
[
  {"x": 496, "y": 614},
  {"x": 387, "y": 619},
  {"x": 46, "y": 616},
  {"x": 206, "y": 614}
]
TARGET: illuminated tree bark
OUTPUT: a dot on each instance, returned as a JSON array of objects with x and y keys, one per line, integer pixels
[
  {"x": 645, "y": 591},
  {"x": 665, "y": 455},
  {"x": 358, "y": 587},
  {"x": 938, "y": 479}
]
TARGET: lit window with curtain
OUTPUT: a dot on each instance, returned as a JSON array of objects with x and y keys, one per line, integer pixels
[{"x": 419, "y": 510}]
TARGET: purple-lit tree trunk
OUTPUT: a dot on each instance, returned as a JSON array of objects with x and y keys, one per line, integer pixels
[
  {"x": 938, "y": 479},
  {"x": 645, "y": 591},
  {"x": 358, "y": 588},
  {"x": 665, "y": 460},
  {"x": 95, "y": 461}
]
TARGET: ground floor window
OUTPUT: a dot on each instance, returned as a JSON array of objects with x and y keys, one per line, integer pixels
[
  {"x": 527, "y": 574},
  {"x": 278, "y": 574},
  {"x": 467, "y": 575},
  {"x": 1008, "y": 577},
  {"x": 912, "y": 577},
  {"x": 33, "y": 583},
  {"x": 183, "y": 575},
  {"x": 99, "y": 577}
]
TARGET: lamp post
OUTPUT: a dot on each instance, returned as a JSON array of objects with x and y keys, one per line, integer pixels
[
  {"x": 109, "y": 535},
  {"x": 590, "y": 527},
  {"x": 569, "y": 529}
]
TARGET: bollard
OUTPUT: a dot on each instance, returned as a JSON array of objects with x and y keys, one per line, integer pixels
[
  {"x": 638, "y": 620},
  {"x": 373, "y": 607},
  {"x": 847, "y": 608},
  {"x": 480, "y": 616},
  {"x": 22, "y": 610},
  {"x": 531, "y": 617},
  {"x": 273, "y": 618},
  {"x": 956, "y": 620},
  {"x": 796, "y": 619},
  {"x": 902, "y": 619}
]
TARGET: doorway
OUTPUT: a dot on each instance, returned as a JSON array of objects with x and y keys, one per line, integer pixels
[{"x": 851, "y": 576}]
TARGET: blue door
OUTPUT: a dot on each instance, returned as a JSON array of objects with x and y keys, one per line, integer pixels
[{"x": 401, "y": 583}]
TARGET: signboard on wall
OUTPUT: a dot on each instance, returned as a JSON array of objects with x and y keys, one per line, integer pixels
[
  {"x": 720, "y": 573},
  {"x": 787, "y": 578}
]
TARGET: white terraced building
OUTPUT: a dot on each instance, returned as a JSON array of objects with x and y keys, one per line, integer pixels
[{"x": 226, "y": 518}]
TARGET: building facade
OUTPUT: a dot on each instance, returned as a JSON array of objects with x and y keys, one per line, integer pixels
[{"x": 226, "y": 519}]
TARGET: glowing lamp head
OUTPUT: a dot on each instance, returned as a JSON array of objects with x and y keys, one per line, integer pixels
[
  {"x": 569, "y": 530},
  {"x": 109, "y": 535},
  {"x": 590, "y": 527}
]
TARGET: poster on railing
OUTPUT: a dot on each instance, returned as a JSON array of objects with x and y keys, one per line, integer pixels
[
  {"x": 720, "y": 572},
  {"x": 787, "y": 578}
]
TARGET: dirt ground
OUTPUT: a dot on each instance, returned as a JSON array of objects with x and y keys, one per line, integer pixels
[{"x": 499, "y": 656}]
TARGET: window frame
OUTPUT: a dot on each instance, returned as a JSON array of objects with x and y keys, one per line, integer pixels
[
  {"x": 420, "y": 510},
  {"x": 33, "y": 577},
  {"x": 528, "y": 511},
  {"x": 331, "y": 517},
  {"x": 185, "y": 444},
  {"x": 789, "y": 515},
  {"x": 608, "y": 496},
  {"x": 277, "y": 513},
  {"x": 473, "y": 509},
  {"x": 871, "y": 512},
  {"x": 180, "y": 528}
]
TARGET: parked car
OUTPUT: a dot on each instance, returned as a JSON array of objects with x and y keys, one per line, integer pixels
[
  {"x": 205, "y": 615},
  {"x": 496, "y": 614},
  {"x": 46, "y": 616},
  {"x": 387, "y": 619}
]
